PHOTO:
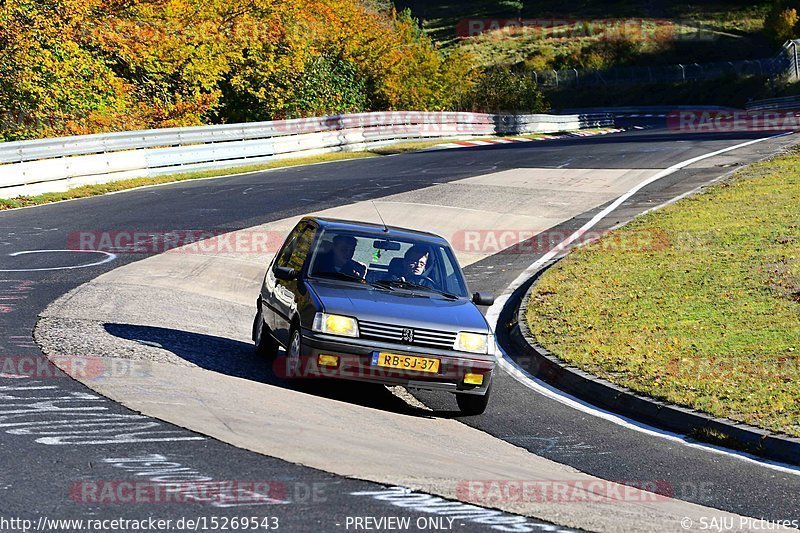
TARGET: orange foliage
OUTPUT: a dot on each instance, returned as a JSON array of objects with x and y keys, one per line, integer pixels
[{"x": 81, "y": 66}]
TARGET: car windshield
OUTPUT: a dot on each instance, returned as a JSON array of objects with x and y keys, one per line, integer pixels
[{"x": 391, "y": 263}]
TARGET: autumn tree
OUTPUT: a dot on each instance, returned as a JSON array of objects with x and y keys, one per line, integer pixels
[
  {"x": 50, "y": 84},
  {"x": 82, "y": 66}
]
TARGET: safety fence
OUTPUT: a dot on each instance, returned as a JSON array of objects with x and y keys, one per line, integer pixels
[
  {"x": 786, "y": 103},
  {"x": 57, "y": 164},
  {"x": 784, "y": 65}
]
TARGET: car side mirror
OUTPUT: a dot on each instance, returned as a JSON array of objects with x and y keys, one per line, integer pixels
[
  {"x": 285, "y": 273},
  {"x": 482, "y": 298}
]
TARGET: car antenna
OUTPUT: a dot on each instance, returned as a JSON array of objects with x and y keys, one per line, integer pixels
[{"x": 385, "y": 227}]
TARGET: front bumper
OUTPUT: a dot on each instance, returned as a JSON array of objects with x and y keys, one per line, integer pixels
[{"x": 356, "y": 363}]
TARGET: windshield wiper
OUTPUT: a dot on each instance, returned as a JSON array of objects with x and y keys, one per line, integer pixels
[
  {"x": 411, "y": 285},
  {"x": 338, "y": 275}
]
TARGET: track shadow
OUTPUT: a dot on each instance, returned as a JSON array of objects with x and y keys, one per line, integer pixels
[{"x": 238, "y": 359}]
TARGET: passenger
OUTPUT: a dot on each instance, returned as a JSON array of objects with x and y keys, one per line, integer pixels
[
  {"x": 340, "y": 258},
  {"x": 415, "y": 261}
]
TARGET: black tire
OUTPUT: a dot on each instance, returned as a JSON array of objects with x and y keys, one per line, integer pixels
[
  {"x": 266, "y": 345},
  {"x": 293, "y": 353},
  {"x": 472, "y": 404}
]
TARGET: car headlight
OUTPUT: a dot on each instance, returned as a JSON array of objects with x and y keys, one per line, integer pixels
[
  {"x": 335, "y": 325},
  {"x": 473, "y": 342}
]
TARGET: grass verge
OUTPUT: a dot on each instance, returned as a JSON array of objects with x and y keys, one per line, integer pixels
[
  {"x": 86, "y": 191},
  {"x": 104, "y": 188},
  {"x": 697, "y": 304},
  {"x": 402, "y": 148}
]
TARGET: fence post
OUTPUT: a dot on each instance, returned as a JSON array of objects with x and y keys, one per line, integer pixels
[
  {"x": 796, "y": 66},
  {"x": 683, "y": 73},
  {"x": 556, "y": 73},
  {"x": 576, "y": 76}
]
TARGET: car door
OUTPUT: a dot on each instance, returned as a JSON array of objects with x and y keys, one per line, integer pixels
[
  {"x": 286, "y": 294},
  {"x": 269, "y": 298}
]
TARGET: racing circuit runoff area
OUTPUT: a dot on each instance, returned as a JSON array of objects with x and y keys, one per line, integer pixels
[{"x": 172, "y": 417}]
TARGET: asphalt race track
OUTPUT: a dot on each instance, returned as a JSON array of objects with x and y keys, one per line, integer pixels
[{"x": 60, "y": 439}]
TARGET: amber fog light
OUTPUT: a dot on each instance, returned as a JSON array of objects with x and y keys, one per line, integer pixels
[
  {"x": 473, "y": 379},
  {"x": 328, "y": 360}
]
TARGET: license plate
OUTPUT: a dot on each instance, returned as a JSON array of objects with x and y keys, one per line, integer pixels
[{"x": 405, "y": 362}]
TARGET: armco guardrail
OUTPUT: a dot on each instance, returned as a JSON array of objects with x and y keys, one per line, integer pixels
[
  {"x": 48, "y": 165},
  {"x": 786, "y": 103},
  {"x": 625, "y": 110}
]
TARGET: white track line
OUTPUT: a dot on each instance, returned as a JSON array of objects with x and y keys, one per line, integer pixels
[
  {"x": 109, "y": 257},
  {"x": 537, "y": 385}
]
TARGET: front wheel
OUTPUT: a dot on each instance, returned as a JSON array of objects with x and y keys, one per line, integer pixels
[
  {"x": 472, "y": 404},
  {"x": 293, "y": 354}
]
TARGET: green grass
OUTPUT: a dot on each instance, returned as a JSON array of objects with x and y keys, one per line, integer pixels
[
  {"x": 402, "y": 148},
  {"x": 722, "y": 31},
  {"x": 697, "y": 304},
  {"x": 738, "y": 18}
]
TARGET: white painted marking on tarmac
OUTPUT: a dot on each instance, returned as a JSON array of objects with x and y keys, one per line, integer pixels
[
  {"x": 457, "y": 510},
  {"x": 17, "y": 291},
  {"x": 56, "y": 417},
  {"x": 109, "y": 257},
  {"x": 187, "y": 484},
  {"x": 539, "y": 386}
]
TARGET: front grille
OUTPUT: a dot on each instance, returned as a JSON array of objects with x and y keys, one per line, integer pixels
[{"x": 393, "y": 333}]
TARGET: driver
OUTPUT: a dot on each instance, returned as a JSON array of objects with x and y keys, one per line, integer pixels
[
  {"x": 415, "y": 261},
  {"x": 340, "y": 258}
]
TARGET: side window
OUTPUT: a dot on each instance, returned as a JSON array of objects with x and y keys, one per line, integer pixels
[
  {"x": 291, "y": 242},
  {"x": 453, "y": 283},
  {"x": 301, "y": 249},
  {"x": 449, "y": 269}
]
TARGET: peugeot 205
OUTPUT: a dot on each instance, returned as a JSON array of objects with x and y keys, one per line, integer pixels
[{"x": 367, "y": 302}]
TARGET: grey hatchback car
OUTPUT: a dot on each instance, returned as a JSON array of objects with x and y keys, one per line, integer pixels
[{"x": 359, "y": 301}]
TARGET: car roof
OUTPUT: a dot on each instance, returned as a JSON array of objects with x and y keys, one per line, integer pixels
[{"x": 377, "y": 229}]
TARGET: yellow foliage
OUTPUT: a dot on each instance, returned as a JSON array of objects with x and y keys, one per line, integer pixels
[{"x": 84, "y": 66}]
